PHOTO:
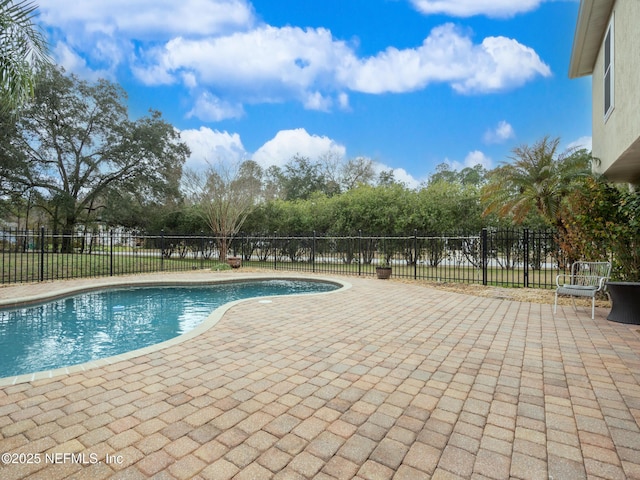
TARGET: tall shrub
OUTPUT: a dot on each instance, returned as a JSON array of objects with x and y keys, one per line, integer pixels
[{"x": 603, "y": 221}]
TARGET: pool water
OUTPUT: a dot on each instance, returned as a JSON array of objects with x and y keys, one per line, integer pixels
[{"x": 100, "y": 324}]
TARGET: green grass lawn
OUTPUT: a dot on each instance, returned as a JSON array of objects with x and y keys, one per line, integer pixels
[
  {"x": 26, "y": 267},
  {"x": 444, "y": 273}
]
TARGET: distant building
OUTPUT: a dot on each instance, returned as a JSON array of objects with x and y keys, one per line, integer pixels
[{"x": 606, "y": 45}]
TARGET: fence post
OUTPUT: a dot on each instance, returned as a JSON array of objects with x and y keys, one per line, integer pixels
[
  {"x": 42, "y": 253},
  {"x": 313, "y": 253},
  {"x": 162, "y": 250},
  {"x": 526, "y": 257},
  {"x": 484, "y": 257},
  {"x": 4, "y": 248},
  {"x": 415, "y": 253},
  {"x": 111, "y": 253},
  {"x": 360, "y": 259},
  {"x": 201, "y": 250},
  {"x": 275, "y": 250}
]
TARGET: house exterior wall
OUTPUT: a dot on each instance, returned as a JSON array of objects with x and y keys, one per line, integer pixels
[{"x": 616, "y": 139}]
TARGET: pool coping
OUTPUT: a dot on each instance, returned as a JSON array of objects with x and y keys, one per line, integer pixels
[{"x": 209, "y": 322}]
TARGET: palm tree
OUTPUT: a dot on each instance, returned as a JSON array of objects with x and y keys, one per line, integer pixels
[
  {"x": 536, "y": 181},
  {"x": 23, "y": 50}
]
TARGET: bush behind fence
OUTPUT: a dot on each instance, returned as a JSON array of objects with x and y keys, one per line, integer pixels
[{"x": 512, "y": 258}]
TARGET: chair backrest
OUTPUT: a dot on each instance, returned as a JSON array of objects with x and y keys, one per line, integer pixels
[{"x": 590, "y": 273}]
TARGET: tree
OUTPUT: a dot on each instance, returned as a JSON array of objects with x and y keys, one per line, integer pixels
[
  {"x": 357, "y": 171},
  {"x": 475, "y": 175},
  {"x": 301, "y": 178},
  {"x": 373, "y": 210},
  {"x": 225, "y": 195},
  {"x": 273, "y": 179},
  {"x": 446, "y": 207},
  {"x": 75, "y": 143},
  {"x": 444, "y": 173},
  {"x": 535, "y": 182},
  {"x": 9, "y": 158},
  {"x": 387, "y": 178},
  {"x": 330, "y": 171},
  {"x": 23, "y": 51},
  {"x": 467, "y": 176},
  {"x": 251, "y": 175}
]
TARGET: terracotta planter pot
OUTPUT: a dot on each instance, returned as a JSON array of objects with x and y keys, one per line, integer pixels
[
  {"x": 625, "y": 302},
  {"x": 234, "y": 262}
]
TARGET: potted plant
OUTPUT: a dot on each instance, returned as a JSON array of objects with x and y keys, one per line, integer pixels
[
  {"x": 234, "y": 262},
  {"x": 383, "y": 271},
  {"x": 624, "y": 289}
]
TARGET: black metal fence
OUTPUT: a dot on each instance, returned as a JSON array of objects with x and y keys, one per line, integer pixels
[
  {"x": 37, "y": 255},
  {"x": 512, "y": 258}
]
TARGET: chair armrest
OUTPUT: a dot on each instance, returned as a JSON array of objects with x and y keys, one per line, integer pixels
[
  {"x": 603, "y": 283},
  {"x": 563, "y": 276}
]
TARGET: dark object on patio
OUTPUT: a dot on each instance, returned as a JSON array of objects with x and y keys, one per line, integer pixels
[
  {"x": 625, "y": 302},
  {"x": 383, "y": 272},
  {"x": 234, "y": 262},
  {"x": 586, "y": 280}
]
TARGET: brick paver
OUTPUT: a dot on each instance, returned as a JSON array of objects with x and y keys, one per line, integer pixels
[{"x": 381, "y": 380}]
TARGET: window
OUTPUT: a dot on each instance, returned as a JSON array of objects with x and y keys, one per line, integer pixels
[{"x": 608, "y": 70}]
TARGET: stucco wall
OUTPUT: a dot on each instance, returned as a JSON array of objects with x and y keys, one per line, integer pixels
[{"x": 615, "y": 137}]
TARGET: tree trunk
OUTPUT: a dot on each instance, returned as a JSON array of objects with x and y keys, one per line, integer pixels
[
  {"x": 223, "y": 242},
  {"x": 67, "y": 236}
]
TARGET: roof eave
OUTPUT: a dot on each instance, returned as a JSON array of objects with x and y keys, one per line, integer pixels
[{"x": 590, "y": 27}]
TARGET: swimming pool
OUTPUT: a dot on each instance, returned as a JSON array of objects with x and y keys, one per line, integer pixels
[{"x": 99, "y": 324}]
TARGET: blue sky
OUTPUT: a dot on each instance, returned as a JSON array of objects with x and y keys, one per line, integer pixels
[{"x": 408, "y": 83}]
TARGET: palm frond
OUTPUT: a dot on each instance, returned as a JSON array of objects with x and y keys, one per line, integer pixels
[
  {"x": 23, "y": 51},
  {"x": 537, "y": 179}
]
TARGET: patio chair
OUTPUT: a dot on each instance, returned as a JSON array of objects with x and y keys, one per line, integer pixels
[{"x": 586, "y": 280}]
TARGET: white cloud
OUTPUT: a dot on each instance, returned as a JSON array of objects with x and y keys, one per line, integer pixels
[
  {"x": 264, "y": 64},
  {"x": 288, "y": 143},
  {"x": 468, "y": 8},
  {"x": 215, "y": 46},
  {"x": 70, "y": 60},
  {"x": 447, "y": 55},
  {"x": 477, "y": 158},
  {"x": 502, "y": 63},
  {"x": 106, "y": 34},
  {"x": 343, "y": 101},
  {"x": 149, "y": 19},
  {"x": 399, "y": 174},
  {"x": 159, "y": 75},
  {"x": 501, "y": 133},
  {"x": 316, "y": 101},
  {"x": 277, "y": 64},
  {"x": 212, "y": 109},
  {"x": 580, "y": 143},
  {"x": 210, "y": 146},
  {"x": 472, "y": 159}
]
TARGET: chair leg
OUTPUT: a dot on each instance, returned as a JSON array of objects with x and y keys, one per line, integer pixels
[
  {"x": 593, "y": 308},
  {"x": 555, "y": 304}
]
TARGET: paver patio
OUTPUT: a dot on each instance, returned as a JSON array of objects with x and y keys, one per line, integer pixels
[{"x": 382, "y": 380}]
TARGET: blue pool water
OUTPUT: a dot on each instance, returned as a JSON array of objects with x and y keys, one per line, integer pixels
[{"x": 104, "y": 323}]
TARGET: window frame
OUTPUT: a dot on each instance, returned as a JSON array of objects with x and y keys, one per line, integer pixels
[{"x": 609, "y": 70}]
